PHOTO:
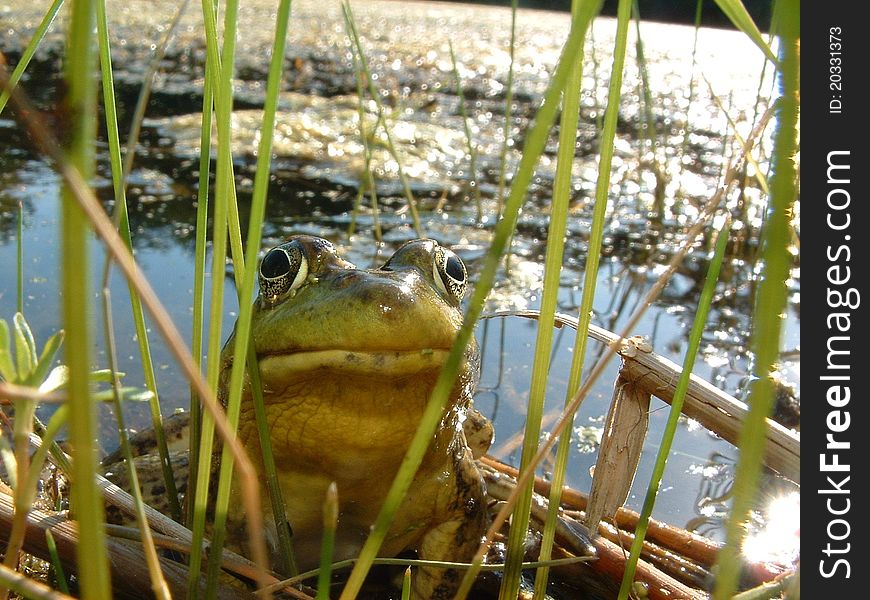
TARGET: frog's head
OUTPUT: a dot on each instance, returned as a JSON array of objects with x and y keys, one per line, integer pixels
[{"x": 318, "y": 318}]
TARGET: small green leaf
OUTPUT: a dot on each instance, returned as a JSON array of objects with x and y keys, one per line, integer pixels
[
  {"x": 57, "y": 378},
  {"x": 7, "y": 367},
  {"x": 49, "y": 351},
  {"x": 739, "y": 16},
  {"x": 104, "y": 376},
  {"x": 25, "y": 348},
  {"x": 128, "y": 394}
]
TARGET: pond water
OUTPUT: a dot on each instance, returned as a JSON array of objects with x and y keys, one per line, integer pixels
[{"x": 313, "y": 193}]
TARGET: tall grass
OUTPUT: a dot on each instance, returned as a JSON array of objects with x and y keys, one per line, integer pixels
[
  {"x": 242, "y": 342},
  {"x": 692, "y": 347},
  {"x": 772, "y": 294},
  {"x": 87, "y": 503},
  {"x": 122, "y": 222},
  {"x": 582, "y": 15},
  {"x": 534, "y": 146}
]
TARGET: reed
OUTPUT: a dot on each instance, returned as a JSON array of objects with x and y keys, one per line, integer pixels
[
  {"x": 122, "y": 222},
  {"x": 350, "y": 22},
  {"x": 242, "y": 346},
  {"x": 772, "y": 294},
  {"x": 508, "y": 112},
  {"x": 561, "y": 196},
  {"x": 28, "y": 53},
  {"x": 698, "y": 325},
  {"x": 222, "y": 62},
  {"x": 81, "y": 101}
]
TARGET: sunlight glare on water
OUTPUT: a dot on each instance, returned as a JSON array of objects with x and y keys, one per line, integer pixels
[{"x": 779, "y": 540}]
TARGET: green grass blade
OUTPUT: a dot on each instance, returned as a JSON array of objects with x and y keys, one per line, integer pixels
[
  {"x": 158, "y": 583},
  {"x": 367, "y": 153},
  {"x": 739, "y": 16},
  {"x": 28, "y": 53},
  {"x": 123, "y": 224},
  {"x": 57, "y": 567},
  {"x": 25, "y": 348},
  {"x": 583, "y": 15},
  {"x": 242, "y": 333},
  {"x": 46, "y": 358},
  {"x": 771, "y": 297},
  {"x": 81, "y": 101},
  {"x": 57, "y": 421},
  {"x": 684, "y": 145},
  {"x": 199, "y": 277},
  {"x": 145, "y": 92},
  {"x": 330, "y": 523},
  {"x": 534, "y": 146},
  {"x": 222, "y": 94},
  {"x": 561, "y": 197},
  {"x": 19, "y": 259},
  {"x": 694, "y": 344}
]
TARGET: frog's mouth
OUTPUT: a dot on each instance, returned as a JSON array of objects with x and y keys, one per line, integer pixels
[{"x": 397, "y": 363}]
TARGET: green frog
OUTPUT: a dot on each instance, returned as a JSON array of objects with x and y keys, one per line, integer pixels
[{"x": 348, "y": 358}]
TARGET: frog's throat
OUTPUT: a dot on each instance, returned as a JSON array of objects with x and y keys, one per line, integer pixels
[{"x": 352, "y": 362}]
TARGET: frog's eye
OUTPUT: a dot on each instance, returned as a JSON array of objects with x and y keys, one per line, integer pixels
[
  {"x": 449, "y": 273},
  {"x": 283, "y": 269}
]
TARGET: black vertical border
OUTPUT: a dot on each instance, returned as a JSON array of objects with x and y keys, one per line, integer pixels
[{"x": 834, "y": 114}]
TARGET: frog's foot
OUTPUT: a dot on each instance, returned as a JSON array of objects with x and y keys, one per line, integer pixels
[
  {"x": 149, "y": 473},
  {"x": 457, "y": 538},
  {"x": 176, "y": 430},
  {"x": 479, "y": 432}
]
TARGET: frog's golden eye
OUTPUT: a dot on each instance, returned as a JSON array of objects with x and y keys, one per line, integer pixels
[
  {"x": 283, "y": 270},
  {"x": 449, "y": 273}
]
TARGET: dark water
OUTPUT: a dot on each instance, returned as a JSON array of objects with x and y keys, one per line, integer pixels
[{"x": 314, "y": 195}]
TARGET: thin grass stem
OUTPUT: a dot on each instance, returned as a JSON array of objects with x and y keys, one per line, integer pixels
[
  {"x": 123, "y": 224},
  {"x": 367, "y": 153},
  {"x": 561, "y": 197},
  {"x": 373, "y": 92},
  {"x": 698, "y": 325},
  {"x": 222, "y": 85},
  {"x": 56, "y": 566},
  {"x": 199, "y": 275},
  {"x": 158, "y": 583},
  {"x": 772, "y": 294},
  {"x": 330, "y": 523},
  {"x": 242, "y": 333},
  {"x": 81, "y": 101},
  {"x": 29, "y": 51},
  {"x": 145, "y": 93},
  {"x": 535, "y": 143}
]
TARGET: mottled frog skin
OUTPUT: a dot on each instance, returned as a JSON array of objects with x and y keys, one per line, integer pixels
[{"x": 348, "y": 358}]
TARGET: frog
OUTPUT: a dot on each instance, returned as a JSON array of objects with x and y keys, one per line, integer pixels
[{"x": 347, "y": 359}]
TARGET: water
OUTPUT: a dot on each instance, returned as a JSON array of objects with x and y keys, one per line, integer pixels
[{"x": 313, "y": 188}]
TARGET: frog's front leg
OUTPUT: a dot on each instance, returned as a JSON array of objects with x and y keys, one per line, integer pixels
[{"x": 456, "y": 538}]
